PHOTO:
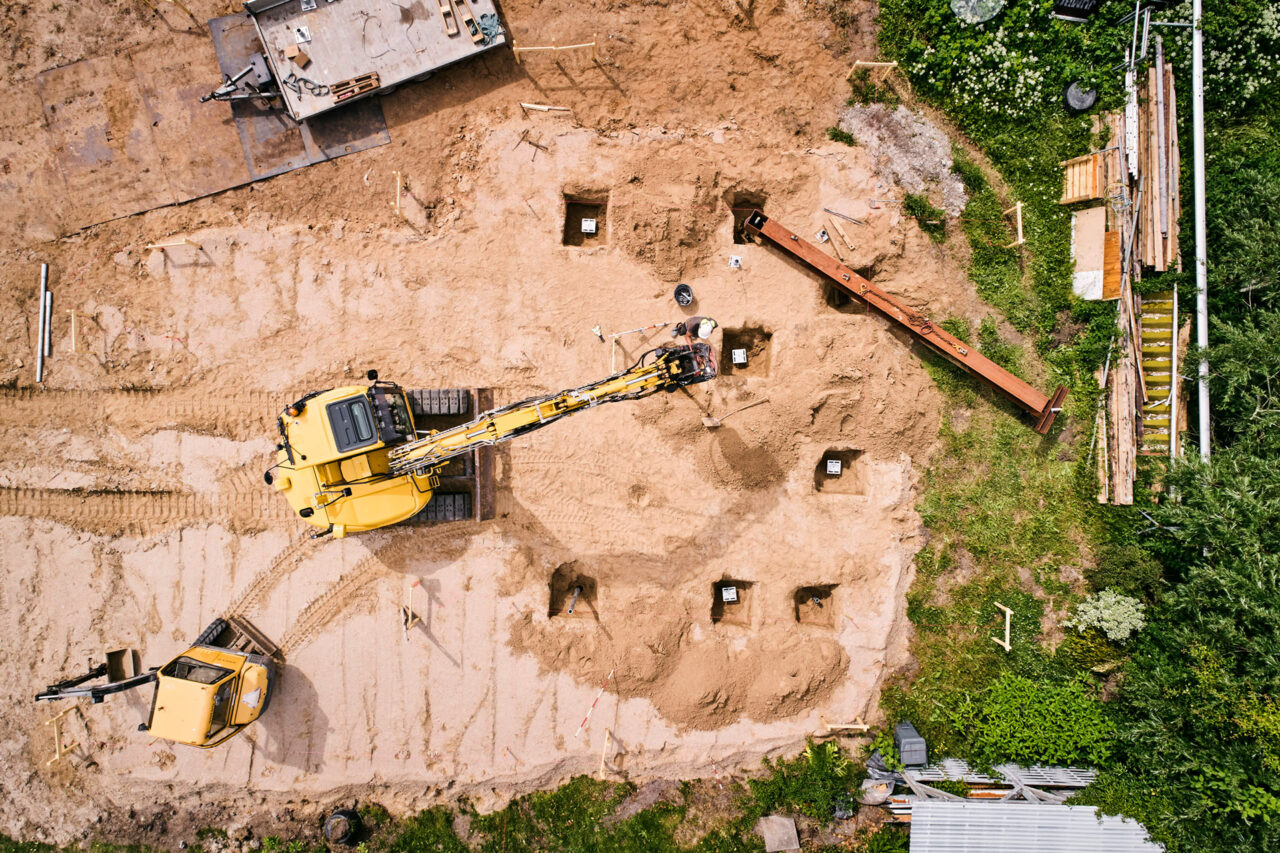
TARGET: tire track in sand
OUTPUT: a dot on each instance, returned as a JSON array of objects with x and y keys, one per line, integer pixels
[
  {"x": 143, "y": 512},
  {"x": 390, "y": 557},
  {"x": 239, "y": 415}
]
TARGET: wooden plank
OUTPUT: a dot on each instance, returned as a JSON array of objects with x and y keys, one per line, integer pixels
[
  {"x": 1080, "y": 178},
  {"x": 1175, "y": 167},
  {"x": 1104, "y": 474},
  {"x": 1125, "y": 459},
  {"x": 1155, "y": 243},
  {"x": 1159, "y": 211},
  {"x": 1180, "y": 425},
  {"x": 1111, "y": 265},
  {"x": 1088, "y": 241}
]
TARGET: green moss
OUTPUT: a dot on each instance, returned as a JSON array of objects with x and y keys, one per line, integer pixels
[
  {"x": 835, "y": 134},
  {"x": 932, "y": 220},
  {"x": 864, "y": 89}
]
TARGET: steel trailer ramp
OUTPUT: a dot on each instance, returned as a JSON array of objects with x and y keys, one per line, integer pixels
[{"x": 273, "y": 142}]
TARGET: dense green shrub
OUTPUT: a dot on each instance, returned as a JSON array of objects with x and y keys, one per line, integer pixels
[
  {"x": 1040, "y": 722},
  {"x": 812, "y": 783},
  {"x": 835, "y": 134},
  {"x": 1084, "y": 650},
  {"x": 1125, "y": 568},
  {"x": 888, "y": 839}
]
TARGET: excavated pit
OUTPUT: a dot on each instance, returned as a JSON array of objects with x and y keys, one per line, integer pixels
[
  {"x": 815, "y": 605},
  {"x": 737, "y": 609}
]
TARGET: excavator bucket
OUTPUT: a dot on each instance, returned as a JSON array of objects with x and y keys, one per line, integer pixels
[{"x": 122, "y": 664}]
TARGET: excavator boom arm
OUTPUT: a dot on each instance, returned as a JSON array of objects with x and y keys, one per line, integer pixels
[{"x": 662, "y": 369}]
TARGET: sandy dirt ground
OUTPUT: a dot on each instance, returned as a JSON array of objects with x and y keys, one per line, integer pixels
[{"x": 132, "y": 510}]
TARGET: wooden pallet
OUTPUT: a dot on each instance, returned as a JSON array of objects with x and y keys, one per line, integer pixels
[{"x": 1082, "y": 178}]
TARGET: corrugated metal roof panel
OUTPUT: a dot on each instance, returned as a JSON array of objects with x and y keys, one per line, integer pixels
[
  {"x": 986, "y": 827},
  {"x": 1037, "y": 775}
]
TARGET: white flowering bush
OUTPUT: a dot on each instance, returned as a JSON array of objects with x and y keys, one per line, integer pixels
[
  {"x": 1116, "y": 615},
  {"x": 1012, "y": 66}
]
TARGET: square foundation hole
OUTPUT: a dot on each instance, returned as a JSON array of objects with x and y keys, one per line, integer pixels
[
  {"x": 837, "y": 298},
  {"x": 840, "y": 472},
  {"x": 584, "y": 221},
  {"x": 573, "y": 594},
  {"x": 814, "y": 605},
  {"x": 731, "y": 602},
  {"x": 746, "y": 351},
  {"x": 742, "y": 204}
]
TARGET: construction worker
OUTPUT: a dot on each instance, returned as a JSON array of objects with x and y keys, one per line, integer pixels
[{"x": 695, "y": 327}]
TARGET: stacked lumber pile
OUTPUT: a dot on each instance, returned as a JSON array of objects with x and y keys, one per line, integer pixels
[
  {"x": 1158, "y": 160},
  {"x": 1136, "y": 176}
]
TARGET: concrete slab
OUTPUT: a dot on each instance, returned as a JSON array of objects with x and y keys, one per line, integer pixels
[{"x": 778, "y": 832}]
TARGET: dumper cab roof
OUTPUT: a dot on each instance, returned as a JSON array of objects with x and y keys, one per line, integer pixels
[{"x": 194, "y": 694}]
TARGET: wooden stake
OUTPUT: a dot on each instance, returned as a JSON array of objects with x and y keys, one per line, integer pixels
[
  {"x": 1006, "y": 644},
  {"x": 1017, "y": 211},
  {"x": 397, "y": 192},
  {"x": 555, "y": 49},
  {"x": 832, "y": 239},
  {"x": 60, "y": 749},
  {"x": 173, "y": 244},
  {"x": 74, "y": 344},
  {"x": 843, "y": 236}
]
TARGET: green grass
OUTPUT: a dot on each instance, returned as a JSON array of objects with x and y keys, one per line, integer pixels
[
  {"x": 835, "y": 134},
  {"x": 932, "y": 220}
]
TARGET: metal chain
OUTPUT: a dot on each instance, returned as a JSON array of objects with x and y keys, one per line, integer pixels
[{"x": 297, "y": 84}]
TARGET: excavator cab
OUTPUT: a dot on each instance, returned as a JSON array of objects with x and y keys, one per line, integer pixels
[
  {"x": 204, "y": 696},
  {"x": 334, "y": 445},
  {"x": 207, "y": 695},
  {"x": 353, "y": 459}
]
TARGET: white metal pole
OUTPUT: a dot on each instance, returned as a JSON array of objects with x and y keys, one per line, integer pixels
[
  {"x": 1202, "y": 288},
  {"x": 44, "y": 286}
]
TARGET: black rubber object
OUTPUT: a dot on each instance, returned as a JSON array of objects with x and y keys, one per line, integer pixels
[
  {"x": 342, "y": 827},
  {"x": 211, "y": 633},
  {"x": 439, "y": 401},
  {"x": 1077, "y": 98},
  {"x": 684, "y": 295},
  {"x": 447, "y": 506}
]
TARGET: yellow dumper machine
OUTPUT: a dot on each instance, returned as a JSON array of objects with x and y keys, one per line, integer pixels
[
  {"x": 358, "y": 458},
  {"x": 204, "y": 696}
]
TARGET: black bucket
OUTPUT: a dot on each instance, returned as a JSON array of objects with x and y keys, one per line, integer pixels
[{"x": 684, "y": 295}]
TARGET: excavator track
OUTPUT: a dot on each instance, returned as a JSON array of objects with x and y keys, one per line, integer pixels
[
  {"x": 434, "y": 402},
  {"x": 289, "y": 558}
]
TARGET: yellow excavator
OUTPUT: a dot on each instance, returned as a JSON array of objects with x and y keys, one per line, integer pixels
[
  {"x": 358, "y": 458},
  {"x": 204, "y": 696}
]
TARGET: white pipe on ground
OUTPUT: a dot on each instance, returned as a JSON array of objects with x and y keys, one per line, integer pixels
[{"x": 40, "y": 315}]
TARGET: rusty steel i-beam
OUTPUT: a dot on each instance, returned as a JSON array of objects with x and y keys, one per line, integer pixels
[{"x": 1043, "y": 408}]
